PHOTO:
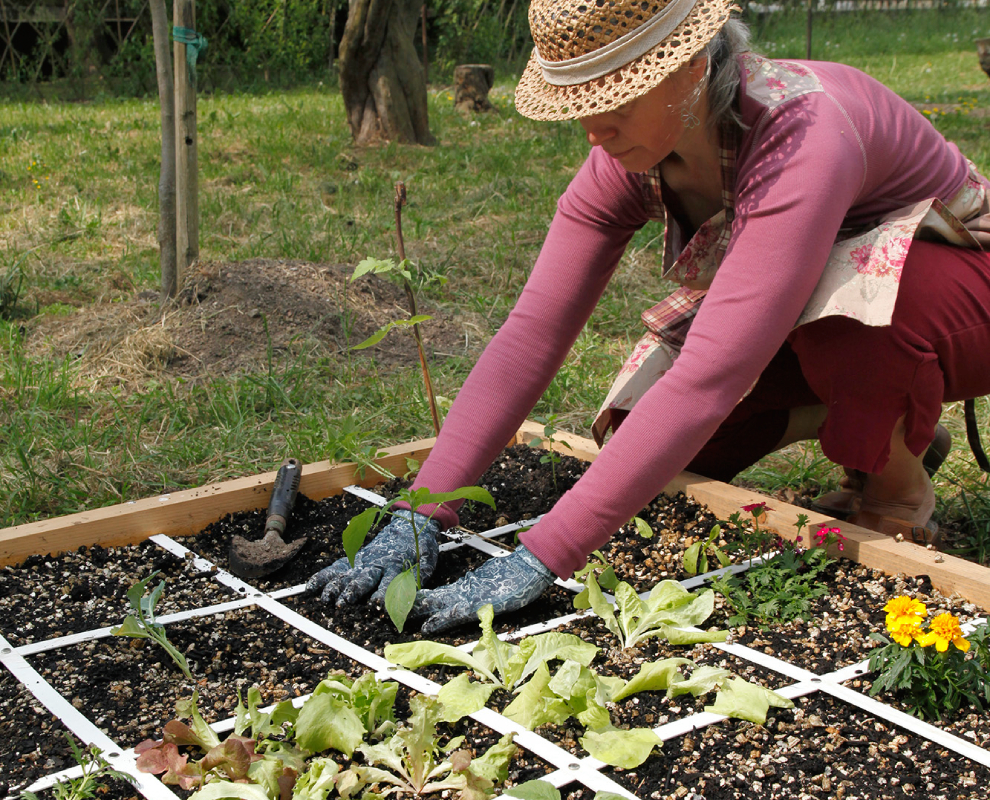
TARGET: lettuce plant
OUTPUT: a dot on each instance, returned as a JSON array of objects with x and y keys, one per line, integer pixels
[
  {"x": 413, "y": 762},
  {"x": 269, "y": 750},
  {"x": 230, "y": 759},
  {"x": 142, "y": 624},
  {"x": 670, "y": 612},
  {"x": 696, "y": 556},
  {"x": 500, "y": 665}
]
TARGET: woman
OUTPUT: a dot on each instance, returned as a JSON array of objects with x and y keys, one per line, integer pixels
[{"x": 807, "y": 211}]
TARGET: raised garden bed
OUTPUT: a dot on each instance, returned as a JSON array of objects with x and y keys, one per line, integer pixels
[{"x": 64, "y": 581}]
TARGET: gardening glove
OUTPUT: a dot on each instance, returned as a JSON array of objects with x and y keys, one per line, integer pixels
[
  {"x": 376, "y": 564},
  {"x": 507, "y": 583}
]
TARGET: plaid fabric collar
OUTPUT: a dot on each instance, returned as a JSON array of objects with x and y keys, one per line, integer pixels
[{"x": 671, "y": 318}]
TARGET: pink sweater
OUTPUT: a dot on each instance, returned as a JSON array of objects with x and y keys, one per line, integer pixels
[{"x": 819, "y": 162}]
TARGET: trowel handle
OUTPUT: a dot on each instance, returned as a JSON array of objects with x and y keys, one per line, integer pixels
[{"x": 283, "y": 495}]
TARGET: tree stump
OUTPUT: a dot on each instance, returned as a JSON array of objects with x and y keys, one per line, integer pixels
[
  {"x": 983, "y": 51},
  {"x": 472, "y": 82}
]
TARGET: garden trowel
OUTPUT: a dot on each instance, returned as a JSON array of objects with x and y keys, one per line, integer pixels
[{"x": 253, "y": 559}]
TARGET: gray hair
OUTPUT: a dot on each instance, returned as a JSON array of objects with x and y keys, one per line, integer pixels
[{"x": 723, "y": 53}]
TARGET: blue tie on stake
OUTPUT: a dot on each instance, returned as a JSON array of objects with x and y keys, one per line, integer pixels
[{"x": 195, "y": 44}]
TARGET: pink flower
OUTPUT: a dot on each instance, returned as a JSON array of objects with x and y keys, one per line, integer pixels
[{"x": 756, "y": 509}]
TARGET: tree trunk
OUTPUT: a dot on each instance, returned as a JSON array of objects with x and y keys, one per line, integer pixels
[
  {"x": 166, "y": 177},
  {"x": 381, "y": 77}
]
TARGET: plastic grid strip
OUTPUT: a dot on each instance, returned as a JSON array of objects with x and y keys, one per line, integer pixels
[
  {"x": 79, "y": 724},
  {"x": 536, "y": 744},
  {"x": 101, "y": 633}
]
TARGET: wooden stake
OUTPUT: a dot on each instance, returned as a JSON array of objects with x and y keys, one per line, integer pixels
[
  {"x": 186, "y": 159},
  {"x": 166, "y": 177}
]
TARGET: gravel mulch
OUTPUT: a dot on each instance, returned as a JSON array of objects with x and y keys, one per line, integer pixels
[
  {"x": 50, "y": 596},
  {"x": 823, "y": 749}
]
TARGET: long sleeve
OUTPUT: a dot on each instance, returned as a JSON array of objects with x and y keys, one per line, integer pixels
[{"x": 595, "y": 219}]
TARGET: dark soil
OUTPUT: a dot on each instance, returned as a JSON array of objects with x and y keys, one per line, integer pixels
[
  {"x": 129, "y": 687},
  {"x": 824, "y": 749},
  {"x": 50, "y": 596}
]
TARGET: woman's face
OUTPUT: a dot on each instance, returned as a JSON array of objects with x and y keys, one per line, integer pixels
[{"x": 644, "y": 131}]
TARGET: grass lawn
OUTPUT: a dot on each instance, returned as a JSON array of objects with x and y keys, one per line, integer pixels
[{"x": 279, "y": 179}]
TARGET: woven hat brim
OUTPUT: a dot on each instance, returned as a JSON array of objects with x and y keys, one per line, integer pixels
[{"x": 539, "y": 100}]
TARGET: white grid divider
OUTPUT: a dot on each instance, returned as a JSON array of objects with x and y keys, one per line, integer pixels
[
  {"x": 80, "y": 725},
  {"x": 100, "y": 633}
]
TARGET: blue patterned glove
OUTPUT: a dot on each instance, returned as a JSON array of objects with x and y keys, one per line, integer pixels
[
  {"x": 507, "y": 583},
  {"x": 376, "y": 564}
]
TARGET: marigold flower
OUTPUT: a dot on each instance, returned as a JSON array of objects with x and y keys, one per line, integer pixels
[
  {"x": 905, "y": 632},
  {"x": 904, "y": 610},
  {"x": 943, "y": 631}
]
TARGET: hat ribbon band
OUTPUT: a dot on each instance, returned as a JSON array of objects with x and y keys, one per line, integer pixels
[{"x": 618, "y": 53}]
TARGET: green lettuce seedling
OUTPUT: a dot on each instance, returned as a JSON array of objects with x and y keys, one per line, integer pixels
[
  {"x": 670, "y": 612},
  {"x": 142, "y": 623},
  {"x": 696, "y": 556},
  {"x": 500, "y": 665},
  {"x": 401, "y": 592},
  {"x": 413, "y": 762}
]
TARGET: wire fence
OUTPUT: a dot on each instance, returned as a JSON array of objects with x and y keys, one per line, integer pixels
[{"x": 78, "y": 48}]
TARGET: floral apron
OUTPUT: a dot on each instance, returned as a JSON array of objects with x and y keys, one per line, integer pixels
[{"x": 860, "y": 278}]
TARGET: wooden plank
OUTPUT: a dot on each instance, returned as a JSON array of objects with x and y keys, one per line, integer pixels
[{"x": 187, "y": 512}]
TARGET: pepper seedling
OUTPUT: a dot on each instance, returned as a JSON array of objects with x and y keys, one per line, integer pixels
[{"x": 401, "y": 592}]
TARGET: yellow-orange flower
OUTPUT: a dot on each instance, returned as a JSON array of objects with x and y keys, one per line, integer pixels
[
  {"x": 905, "y": 632},
  {"x": 943, "y": 631},
  {"x": 904, "y": 610}
]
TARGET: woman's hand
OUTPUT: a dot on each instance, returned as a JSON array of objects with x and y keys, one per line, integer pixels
[
  {"x": 507, "y": 583},
  {"x": 376, "y": 564}
]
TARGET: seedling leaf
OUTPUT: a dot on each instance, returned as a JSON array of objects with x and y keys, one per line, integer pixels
[
  {"x": 534, "y": 790},
  {"x": 625, "y": 749},
  {"x": 400, "y": 596}
]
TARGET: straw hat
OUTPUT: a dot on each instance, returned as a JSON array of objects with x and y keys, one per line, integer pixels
[{"x": 591, "y": 56}]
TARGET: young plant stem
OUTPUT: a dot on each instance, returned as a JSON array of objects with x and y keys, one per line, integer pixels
[{"x": 400, "y": 200}]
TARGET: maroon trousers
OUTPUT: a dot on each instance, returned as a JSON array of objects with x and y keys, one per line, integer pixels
[{"x": 936, "y": 350}]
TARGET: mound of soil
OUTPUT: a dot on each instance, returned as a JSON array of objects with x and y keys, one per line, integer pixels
[{"x": 239, "y": 317}]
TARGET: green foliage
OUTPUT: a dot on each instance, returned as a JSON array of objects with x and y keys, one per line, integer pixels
[
  {"x": 576, "y": 689},
  {"x": 141, "y": 624},
  {"x": 11, "y": 283},
  {"x": 95, "y": 770},
  {"x": 269, "y": 749},
  {"x": 401, "y": 592},
  {"x": 551, "y": 457},
  {"x": 780, "y": 588},
  {"x": 413, "y": 762},
  {"x": 670, "y": 612},
  {"x": 696, "y": 556},
  {"x": 934, "y": 680}
]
